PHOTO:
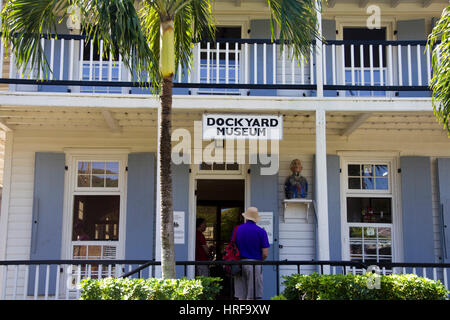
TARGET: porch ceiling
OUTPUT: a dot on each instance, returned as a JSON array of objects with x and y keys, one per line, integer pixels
[{"x": 117, "y": 120}]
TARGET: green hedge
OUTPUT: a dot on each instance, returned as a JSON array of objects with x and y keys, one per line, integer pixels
[
  {"x": 361, "y": 287},
  {"x": 201, "y": 288}
]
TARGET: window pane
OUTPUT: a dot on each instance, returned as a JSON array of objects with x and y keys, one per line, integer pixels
[
  {"x": 84, "y": 181},
  {"x": 79, "y": 252},
  {"x": 218, "y": 166},
  {"x": 100, "y": 218},
  {"x": 385, "y": 248},
  {"x": 370, "y": 233},
  {"x": 369, "y": 210},
  {"x": 112, "y": 168},
  {"x": 94, "y": 252},
  {"x": 98, "y": 181},
  {"x": 354, "y": 170},
  {"x": 355, "y": 232},
  {"x": 205, "y": 166},
  {"x": 98, "y": 167},
  {"x": 84, "y": 167},
  {"x": 232, "y": 166},
  {"x": 356, "y": 249},
  {"x": 381, "y": 184},
  {"x": 367, "y": 183},
  {"x": 384, "y": 233},
  {"x": 354, "y": 183},
  {"x": 381, "y": 170},
  {"x": 367, "y": 170},
  {"x": 112, "y": 181}
]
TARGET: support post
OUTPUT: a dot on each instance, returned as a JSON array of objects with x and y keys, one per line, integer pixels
[
  {"x": 323, "y": 242},
  {"x": 319, "y": 48}
]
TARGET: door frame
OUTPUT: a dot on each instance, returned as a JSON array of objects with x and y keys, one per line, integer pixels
[{"x": 197, "y": 174}]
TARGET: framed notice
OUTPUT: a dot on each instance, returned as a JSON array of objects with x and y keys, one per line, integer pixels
[
  {"x": 178, "y": 227},
  {"x": 266, "y": 222},
  {"x": 242, "y": 126}
]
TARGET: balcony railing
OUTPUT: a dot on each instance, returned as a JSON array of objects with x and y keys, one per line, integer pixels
[
  {"x": 238, "y": 67},
  {"x": 60, "y": 279}
]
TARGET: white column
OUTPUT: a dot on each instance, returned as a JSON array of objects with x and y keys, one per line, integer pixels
[
  {"x": 319, "y": 48},
  {"x": 321, "y": 186},
  {"x": 5, "y": 206}
]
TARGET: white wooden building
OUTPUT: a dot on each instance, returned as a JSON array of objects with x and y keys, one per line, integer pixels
[{"x": 82, "y": 159}]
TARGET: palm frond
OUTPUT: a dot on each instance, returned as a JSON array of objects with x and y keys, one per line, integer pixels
[
  {"x": 192, "y": 20},
  {"x": 440, "y": 83},
  {"x": 23, "y": 24},
  {"x": 297, "y": 24},
  {"x": 118, "y": 24}
]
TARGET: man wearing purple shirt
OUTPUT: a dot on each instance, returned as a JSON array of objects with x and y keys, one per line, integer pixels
[{"x": 253, "y": 245}]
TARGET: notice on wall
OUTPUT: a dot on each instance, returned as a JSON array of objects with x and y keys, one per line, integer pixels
[
  {"x": 178, "y": 227},
  {"x": 242, "y": 126},
  {"x": 266, "y": 222}
]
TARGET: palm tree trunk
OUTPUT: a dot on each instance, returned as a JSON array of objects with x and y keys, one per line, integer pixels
[
  {"x": 167, "y": 228},
  {"x": 167, "y": 67}
]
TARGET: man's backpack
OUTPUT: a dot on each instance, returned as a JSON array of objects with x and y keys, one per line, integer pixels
[{"x": 231, "y": 253}]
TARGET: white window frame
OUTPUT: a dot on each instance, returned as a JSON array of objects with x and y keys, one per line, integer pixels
[
  {"x": 71, "y": 190},
  {"x": 393, "y": 193}
]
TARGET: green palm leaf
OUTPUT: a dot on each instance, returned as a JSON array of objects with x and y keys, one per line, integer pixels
[{"x": 440, "y": 83}]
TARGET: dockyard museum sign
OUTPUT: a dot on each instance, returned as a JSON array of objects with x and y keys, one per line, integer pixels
[{"x": 242, "y": 126}]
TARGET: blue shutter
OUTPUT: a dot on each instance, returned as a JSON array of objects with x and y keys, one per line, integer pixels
[
  {"x": 443, "y": 169},
  {"x": 264, "y": 196},
  {"x": 180, "y": 195},
  {"x": 140, "y": 214},
  {"x": 334, "y": 206},
  {"x": 46, "y": 230},
  {"x": 417, "y": 216}
]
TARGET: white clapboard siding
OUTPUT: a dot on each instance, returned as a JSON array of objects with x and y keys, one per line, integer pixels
[{"x": 297, "y": 236}]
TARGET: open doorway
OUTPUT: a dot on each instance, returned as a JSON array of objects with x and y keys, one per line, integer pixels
[{"x": 221, "y": 203}]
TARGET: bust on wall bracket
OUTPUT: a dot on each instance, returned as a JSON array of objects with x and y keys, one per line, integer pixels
[{"x": 296, "y": 186}]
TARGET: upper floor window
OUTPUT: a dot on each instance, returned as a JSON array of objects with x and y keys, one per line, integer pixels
[{"x": 364, "y": 34}]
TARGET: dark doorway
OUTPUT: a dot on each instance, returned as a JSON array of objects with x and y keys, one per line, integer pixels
[{"x": 221, "y": 203}]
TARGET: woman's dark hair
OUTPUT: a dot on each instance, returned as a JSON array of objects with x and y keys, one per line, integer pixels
[{"x": 199, "y": 222}]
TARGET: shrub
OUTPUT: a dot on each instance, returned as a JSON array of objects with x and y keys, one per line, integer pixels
[
  {"x": 201, "y": 288},
  {"x": 358, "y": 287}
]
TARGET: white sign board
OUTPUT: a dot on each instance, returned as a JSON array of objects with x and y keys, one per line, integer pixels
[
  {"x": 266, "y": 222},
  {"x": 178, "y": 227},
  {"x": 242, "y": 126}
]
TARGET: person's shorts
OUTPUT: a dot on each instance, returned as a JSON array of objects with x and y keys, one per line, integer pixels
[{"x": 243, "y": 283}]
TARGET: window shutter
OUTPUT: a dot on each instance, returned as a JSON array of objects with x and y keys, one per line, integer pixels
[
  {"x": 417, "y": 216},
  {"x": 443, "y": 170},
  {"x": 140, "y": 214},
  {"x": 334, "y": 206},
  {"x": 46, "y": 229},
  {"x": 180, "y": 195}
]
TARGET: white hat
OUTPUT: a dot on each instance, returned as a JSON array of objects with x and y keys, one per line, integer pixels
[{"x": 251, "y": 214}]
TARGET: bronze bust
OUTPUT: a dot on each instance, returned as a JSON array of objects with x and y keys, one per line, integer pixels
[{"x": 296, "y": 186}]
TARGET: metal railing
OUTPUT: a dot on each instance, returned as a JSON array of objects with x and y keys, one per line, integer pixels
[
  {"x": 236, "y": 67},
  {"x": 60, "y": 279}
]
